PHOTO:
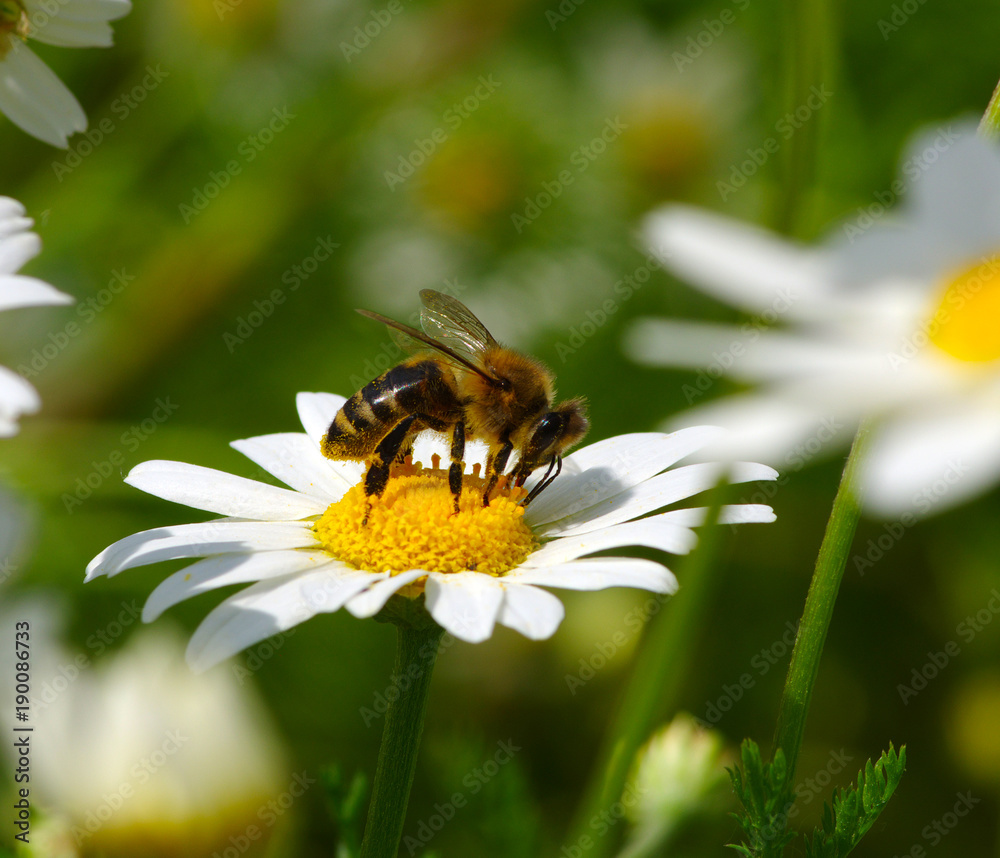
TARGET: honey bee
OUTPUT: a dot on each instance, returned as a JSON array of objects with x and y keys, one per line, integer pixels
[{"x": 461, "y": 381}]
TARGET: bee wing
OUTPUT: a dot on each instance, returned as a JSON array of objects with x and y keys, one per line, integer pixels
[
  {"x": 452, "y": 323},
  {"x": 414, "y": 341}
]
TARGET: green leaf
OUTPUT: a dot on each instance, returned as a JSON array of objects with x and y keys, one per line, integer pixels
[
  {"x": 346, "y": 802},
  {"x": 764, "y": 792},
  {"x": 855, "y": 809}
]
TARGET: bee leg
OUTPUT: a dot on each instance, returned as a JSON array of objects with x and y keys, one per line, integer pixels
[
  {"x": 495, "y": 466},
  {"x": 457, "y": 469},
  {"x": 383, "y": 457},
  {"x": 545, "y": 481}
]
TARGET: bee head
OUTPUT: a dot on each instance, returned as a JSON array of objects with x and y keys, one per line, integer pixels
[{"x": 555, "y": 432}]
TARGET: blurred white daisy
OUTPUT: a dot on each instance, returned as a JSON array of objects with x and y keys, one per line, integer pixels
[
  {"x": 31, "y": 95},
  {"x": 679, "y": 774},
  {"x": 18, "y": 245},
  {"x": 896, "y": 319},
  {"x": 141, "y": 756},
  {"x": 309, "y": 551}
]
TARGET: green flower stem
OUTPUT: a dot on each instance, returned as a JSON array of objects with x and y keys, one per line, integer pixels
[
  {"x": 807, "y": 42},
  {"x": 990, "y": 125},
  {"x": 663, "y": 655},
  {"x": 416, "y": 652},
  {"x": 818, "y": 610}
]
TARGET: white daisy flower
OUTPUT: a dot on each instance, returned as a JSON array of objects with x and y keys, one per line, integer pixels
[
  {"x": 308, "y": 550},
  {"x": 31, "y": 95},
  {"x": 896, "y": 319},
  {"x": 18, "y": 245}
]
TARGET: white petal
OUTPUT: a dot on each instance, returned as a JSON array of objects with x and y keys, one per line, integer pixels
[
  {"x": 294, "y": 459},
  {"x": 932, "y": 461},
  {"x": 225, "y": 570},
  {"x": 217, "y": 491},
  {"x": 739, "y": 264},
  {"x": 16, "y": 250},
  {"x": 198, "y": 540},
  {"x": 534, "y": 613},
  {"x": 269, "y": 607},
  {"x": 16, "y": 395},
  {"x": 316, "y": 411},
  {"x": 653, "y": 532},
  {"x": 768, "y": 428},
  {"x": 464, "y": 603},
  {"x": 69, "y": 33},
  {"x": 653, "y": 494},
  {"x": 741, "y": 513},
  {"x": 609, "y": 467},
  {"x": 21, "y": 291},
  {"x": 34, "y": 99},
  {"x": 747, "y": 355},
  {"x": 598, "y": 573},
  {"x": 372, "y": 600},
  {"x": 12, "y": 216}
]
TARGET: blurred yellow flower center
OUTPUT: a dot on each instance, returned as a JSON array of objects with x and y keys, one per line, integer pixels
[
  {"x": 413, "y": 525},
  {"x": 14, "y": 20},
  {"x": 967, "y": 322}
]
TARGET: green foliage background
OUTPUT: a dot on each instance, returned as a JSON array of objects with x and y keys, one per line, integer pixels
[{"x": 177, "y": 332}]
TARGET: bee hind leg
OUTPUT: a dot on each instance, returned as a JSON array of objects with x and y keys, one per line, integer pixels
[
  {"x": 385, "y": 454},
  {"x": 457, "y": 469}
]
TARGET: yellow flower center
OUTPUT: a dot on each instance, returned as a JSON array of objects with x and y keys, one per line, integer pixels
[
  {"x": 967, "y": 322},
  {"x": 413, "y": 525},
  {"x": 13, "y": 21}
]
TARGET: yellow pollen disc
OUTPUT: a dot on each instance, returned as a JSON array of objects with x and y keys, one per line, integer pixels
[
  {"x": 967, "y": 322},
  {"x": 413, "y": 525}
]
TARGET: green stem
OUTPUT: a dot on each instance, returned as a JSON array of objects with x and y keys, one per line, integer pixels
[
  {"x": 818, "y": 610},
  {"x": 660, "y": 664},
  {"x": 416, "y": 652},
  {"x": 989, "y": 127},
  {"x": 807, "y": 31}
]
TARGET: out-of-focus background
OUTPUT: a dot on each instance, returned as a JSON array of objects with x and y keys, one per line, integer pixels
[{"x": 257, "y": 169}]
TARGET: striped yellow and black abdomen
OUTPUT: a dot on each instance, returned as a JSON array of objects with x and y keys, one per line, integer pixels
[{"x": 419, "y": 386}]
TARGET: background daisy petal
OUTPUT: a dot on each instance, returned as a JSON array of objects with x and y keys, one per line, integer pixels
[
  {"x": 534, "y": 613},
  {"x": 219, "y": 492},
  {"x": 316, "y": 411},
  {"x": 21, "y": 291},
  {"x": 464, "y": 603}
]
